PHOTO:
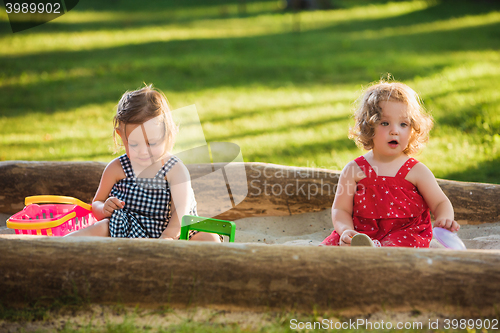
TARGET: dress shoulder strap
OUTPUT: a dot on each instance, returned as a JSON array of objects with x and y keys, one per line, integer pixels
[
  {"x": 127, "y": 166},
  {"x": 366, "y": 167},
  {"x": 403, "y": 171},
  {"x": 168, "y": 165}
]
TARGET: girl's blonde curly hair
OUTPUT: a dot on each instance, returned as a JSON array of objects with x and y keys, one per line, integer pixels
[{"x": 368, "y": 114}]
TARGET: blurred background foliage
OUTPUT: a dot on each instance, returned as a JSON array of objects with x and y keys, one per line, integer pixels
[{"x": 274, "y": 77}]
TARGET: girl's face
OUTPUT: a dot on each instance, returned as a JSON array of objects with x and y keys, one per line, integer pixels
[
  {"x": 145, "y": 144},
  {"x": 392, "y": 133}
]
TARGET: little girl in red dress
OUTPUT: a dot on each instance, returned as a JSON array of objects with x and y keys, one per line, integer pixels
[{"x": 384, "y": 198}]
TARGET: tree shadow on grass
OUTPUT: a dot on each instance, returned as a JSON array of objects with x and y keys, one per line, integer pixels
[
  {"x": 153, "y": 5},
  {"x": 487, "y": 171},
  {"x": 304, "y": 150},
  {"x": 64, "y": 148},
  {"x": 150, "y": 14},
  {"x": 473, "y": 118},
  {"x": 305, "y": 125},
  {"x": 129, "y": 21},
  {"x": 239, "y": 113},
  {"x": 137, "y": 14},
  {"x": 439, "y": 12},
  {"x": 68, "y": 80}
]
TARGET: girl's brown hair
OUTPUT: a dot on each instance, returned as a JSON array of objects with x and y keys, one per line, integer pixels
[
  {"x": 368, "y": 114},
  {"x": 139, "y": 106}
]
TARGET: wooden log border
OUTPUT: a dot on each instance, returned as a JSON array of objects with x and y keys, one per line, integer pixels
[
  {"x": 150, "y": 273},
  {"x": 273, "y": 190}
]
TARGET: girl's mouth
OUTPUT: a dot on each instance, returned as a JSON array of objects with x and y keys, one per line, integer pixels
[
  {"x": 144, "y": 159},
  {"x": 393, "y": 143}
]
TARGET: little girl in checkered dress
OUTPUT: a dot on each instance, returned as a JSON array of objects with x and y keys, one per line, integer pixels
[
  {"x": 384, "y": 198},
  {"x": 145, "y": 192}
]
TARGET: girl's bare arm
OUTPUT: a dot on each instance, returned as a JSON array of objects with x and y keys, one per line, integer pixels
[
  {"x": 343, "y": 203},
  {"x": 180, "y": 189},
  {"x": 103, "y": 205},
  {"x": 438, "y": 202}
]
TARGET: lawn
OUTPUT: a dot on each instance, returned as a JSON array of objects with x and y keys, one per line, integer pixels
[
  {"x": 120, "y": 319},
  {"x": 278, "y": 84}
]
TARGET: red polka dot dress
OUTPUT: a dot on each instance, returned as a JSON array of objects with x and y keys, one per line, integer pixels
[{"x": 389, "y": 209}]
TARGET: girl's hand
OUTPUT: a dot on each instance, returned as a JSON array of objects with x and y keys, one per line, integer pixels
[
  {"x": 448, "y": 224},
  {"x": 345, "y": 238},
  {"x": 110, "y": 205}
]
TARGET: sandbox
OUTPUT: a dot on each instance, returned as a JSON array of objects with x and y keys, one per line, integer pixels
[{"x": 275, "y": 263}]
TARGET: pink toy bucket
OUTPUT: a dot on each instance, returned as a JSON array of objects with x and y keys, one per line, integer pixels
[{"x": 57, "y": 216}]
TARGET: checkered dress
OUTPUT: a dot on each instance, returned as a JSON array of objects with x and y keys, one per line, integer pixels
[{"x": 147, "y": 203}]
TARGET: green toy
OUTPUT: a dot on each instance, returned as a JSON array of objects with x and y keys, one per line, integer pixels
[{"x": 205, "y": 224}]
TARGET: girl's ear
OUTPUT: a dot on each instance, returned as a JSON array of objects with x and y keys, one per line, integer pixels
[{"x": 117, "y": 130}]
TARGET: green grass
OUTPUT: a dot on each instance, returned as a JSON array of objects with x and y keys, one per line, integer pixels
[
  {"x": 119, "y": 319},
  {"x": 284, "y": 96}
]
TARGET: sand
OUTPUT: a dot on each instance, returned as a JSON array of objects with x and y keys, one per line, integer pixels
[
  {"x": 309, "y": 229},
  {"x": 312, "y": 228}
]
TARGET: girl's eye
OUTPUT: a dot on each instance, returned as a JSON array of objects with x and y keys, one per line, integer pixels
[
  {"x": 133, "y": 146},
  {"x": 384, "y": 123},
  {"x": 152, "y": 143},
  {"x": 404, "y": 124}
]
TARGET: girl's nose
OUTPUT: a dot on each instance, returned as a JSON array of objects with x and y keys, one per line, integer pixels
[{"x": 144, "y": 149}]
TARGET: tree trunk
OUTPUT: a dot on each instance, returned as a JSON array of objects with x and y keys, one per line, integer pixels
[
  {"x": 273, "y": 190},
  {"x": 256, "y": 277},
  {"x": 19, "y": 179}
]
